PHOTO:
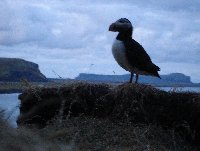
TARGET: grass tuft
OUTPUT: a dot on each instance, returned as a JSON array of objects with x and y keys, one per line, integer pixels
[{"x": 105, "y": 117}]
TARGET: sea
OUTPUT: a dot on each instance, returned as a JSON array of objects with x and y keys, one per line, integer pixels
[
  {"x": 9, "y": 106},
  {"x": 180, "y": 89},
  {"x": 9, "y": 103}
]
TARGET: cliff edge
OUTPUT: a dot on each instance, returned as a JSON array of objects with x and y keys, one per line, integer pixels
[{"x": 14, "y": 70}]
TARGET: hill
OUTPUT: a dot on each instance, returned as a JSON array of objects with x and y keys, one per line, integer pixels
[
  {"x": 106, "y": 117},
  {"x": 170, "y": 79},
  {"x": 14, "y": 70}
]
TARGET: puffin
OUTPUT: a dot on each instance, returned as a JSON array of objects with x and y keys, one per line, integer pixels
[{"x": 129, "y": 54}]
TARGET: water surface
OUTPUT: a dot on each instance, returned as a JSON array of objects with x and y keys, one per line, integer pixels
[
  {"x": 10, "y": 104},
  {"x": 180, "y": 89}
]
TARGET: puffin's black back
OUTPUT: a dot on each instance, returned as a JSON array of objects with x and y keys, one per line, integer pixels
[{"x": 138, "y": 57}]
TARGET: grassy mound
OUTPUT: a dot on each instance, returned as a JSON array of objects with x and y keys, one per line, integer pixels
[
  {"x": 128, "y": 104},
  {"x": 93, "y": 134},
  {"x": 23, "y": 139},
  {"x": 90, "y": 134}
]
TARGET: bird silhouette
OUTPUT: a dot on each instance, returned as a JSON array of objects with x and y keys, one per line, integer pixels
[{"x": 129, "y": 54}]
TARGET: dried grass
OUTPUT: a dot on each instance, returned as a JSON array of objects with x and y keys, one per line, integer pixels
[
  {"x": 23, "y": 139},
  {"x": 105, "y": 117}
]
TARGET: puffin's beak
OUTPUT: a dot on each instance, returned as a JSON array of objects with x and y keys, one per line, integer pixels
[{"x": 112, "y": 27}]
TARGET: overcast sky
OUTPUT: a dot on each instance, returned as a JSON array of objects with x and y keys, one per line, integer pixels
[{"x": 69, "y": 37}]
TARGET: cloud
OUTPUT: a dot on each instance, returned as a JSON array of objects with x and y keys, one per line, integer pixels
[{"x": 68, "y": 36}]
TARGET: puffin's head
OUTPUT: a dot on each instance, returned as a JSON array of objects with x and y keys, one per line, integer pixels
[{"x": 121, "y": 25}]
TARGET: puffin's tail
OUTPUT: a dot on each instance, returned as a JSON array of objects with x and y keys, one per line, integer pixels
[
  {"x": 157, "y": 75},
  {"x": 154, "y": 70}
]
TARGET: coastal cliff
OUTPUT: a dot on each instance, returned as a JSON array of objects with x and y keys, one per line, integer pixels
[{"x": 14, "y": 70}]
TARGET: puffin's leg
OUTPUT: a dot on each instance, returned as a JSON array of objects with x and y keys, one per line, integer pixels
[
  {"x": 131, "y": 77},
  {"x": 137, "y": 76}
]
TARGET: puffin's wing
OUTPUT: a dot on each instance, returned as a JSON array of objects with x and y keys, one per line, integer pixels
[
  {"x": 136, "y": 54},
  {"x": 138, "y": 57}
]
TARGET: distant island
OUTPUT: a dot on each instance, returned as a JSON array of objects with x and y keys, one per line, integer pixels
[
  {"x": 17, "y": 75},
  {"x": 14, "y": 70},
  {"x": 173, "y": 79}
]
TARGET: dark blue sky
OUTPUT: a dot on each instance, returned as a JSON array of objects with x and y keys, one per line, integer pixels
[{"x": 68, "y": 36}]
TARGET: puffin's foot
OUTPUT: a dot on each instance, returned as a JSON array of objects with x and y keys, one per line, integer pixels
[{"x": 136, "y": 80}]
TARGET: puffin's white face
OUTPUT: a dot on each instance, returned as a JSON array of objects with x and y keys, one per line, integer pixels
[{"x": 121, "y": 25}]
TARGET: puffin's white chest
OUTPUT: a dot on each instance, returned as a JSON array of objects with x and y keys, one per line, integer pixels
[{"x": 119, "y": 53}]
